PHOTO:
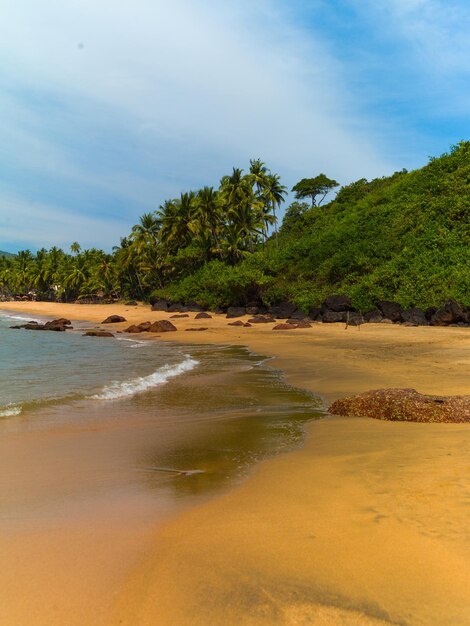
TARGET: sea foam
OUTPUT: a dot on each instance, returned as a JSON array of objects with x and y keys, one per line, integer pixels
[
  {"x": 137, "y": 385},
  {"x": 10, "y": 410}
]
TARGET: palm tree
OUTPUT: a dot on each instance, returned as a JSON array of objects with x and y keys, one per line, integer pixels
[{"x": 273, "y": 194}]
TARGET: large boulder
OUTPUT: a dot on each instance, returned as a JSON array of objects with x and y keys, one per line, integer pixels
[
  {"x": 283, "y": 310},
  {"x": 236, "y": 311},
  {"x": 414, "y": 317},
  {"x": 450, "y": 313},
  {"x": 160, "y": 305},
  {"x": 336, "y": 303},
  {"x": 390, "y": 310},
  {"x": 332, "y": 317},
  {"x": 314, "y": 313},
  {"x": 162, "y": 326},
  {"x": 353, "y": 318},
  {"x": 193, "y": 307},
  {"x": 404, "y": 405},
  {"x": 178, "y": 316},
  {"x": 114, "y": 319},
  {"x": 178, "y": 307},
  {"x": 373, "y": 317}
]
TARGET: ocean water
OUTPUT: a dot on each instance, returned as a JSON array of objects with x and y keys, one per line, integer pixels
[{"x": 39, "y": 368}]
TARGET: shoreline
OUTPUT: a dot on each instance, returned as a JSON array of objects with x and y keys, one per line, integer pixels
[{"x": 365, "y": 524}]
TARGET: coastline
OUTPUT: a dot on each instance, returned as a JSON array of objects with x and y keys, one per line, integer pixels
[{"x": 366, "y": 524}]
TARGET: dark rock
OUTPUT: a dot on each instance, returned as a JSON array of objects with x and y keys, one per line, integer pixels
[
  {"x": 98, "y": 333},
  {"x": 415, "y": 317},
  {"x": 404, "y": 405},
  {"x": 353, "y": 318},
  {"x": 202, "y": 316},
  {"x": 282, "y": 310},
  {"x": 373, "y": 317},
  {"x": 197, "y": 329},
  {"x": 385, "y": 320},
  {"x": 160, "y": 305},
  {"x": 237, "y": 323},
  {"x": 451, "y": 313},
  {"x": 193, "y": 307},
  {"x": 114, "y": 319},
  {"x": 219, "y": 310},
  {"x": 336, "y": 303},
  {"x": 284, "y": 327},
  {"x": 390, "y": 310},
  {"x": 236, "y": 311},
  {"x": 247, "y": 325},
  {"x": 252, "y": 310},
  {"x": 314, "y": 313},
  {"x": 332, "y": 317},
  {"x": 178, "y": 307},
  {"x": 298, "y": 315},
  {"x": 261, "y": 319},
  {"x": 131, "y": 303},
  {"x": 179, "y": 315},
  {"x": 429, "y": 312},
  {"x": 162, "y": 326}
]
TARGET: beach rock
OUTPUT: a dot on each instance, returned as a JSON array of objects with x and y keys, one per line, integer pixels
[
  {"x": 373, "y": 317},
  {"x": 332, "y": 317},
  {"x": 160, "y": 305},
  {"x": 302, "y": 324},
  {"x": 415, "y": 317},
  {"x": 179, "y": 315},
  {"x": 283, "y": 310},
  {"x": 450, "y": 313},
  {"x": 429, "y": 312},
  {"x": 247, "y": 325},
  {"x": 59, "y": 324},
  {"x": 314, "y": 313},
  {"x": 261, "y": 319},
  {"x": 162, "y": 326},
  {"x": 178, "y": 307},
  {"x": 284, "y": 326},
  {"x": 197, "y": 329},
  {"x": 131, "y": 303},
  {"x": 193, "y": 307},
  {"x": 336, "y": 303},
  {"x": 385, "y": 320},
  {"x": 353, "y": 318},
  {"x": 97, "y": 333},
  {"x": 138, "y": 328},
  {"x": 114, "y": 319},
  {"x": 202, "y": 316},
  {"x": 252, "y": 310},
  {"x": 390, "y": 310},
  {"x": 404, "y": 405},
  {"x": 236, "y": 311},
  {"x": 237, "y": 323}
]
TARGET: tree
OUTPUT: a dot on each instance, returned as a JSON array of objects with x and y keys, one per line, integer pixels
[{"x": 313, "y": 187}]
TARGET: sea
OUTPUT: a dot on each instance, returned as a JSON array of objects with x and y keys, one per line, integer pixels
[{"x": 207, "y": 412}]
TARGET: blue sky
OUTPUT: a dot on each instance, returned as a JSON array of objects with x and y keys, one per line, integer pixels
[{"x": 109, "y": 108}]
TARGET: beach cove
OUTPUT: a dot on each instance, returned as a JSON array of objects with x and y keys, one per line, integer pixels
[{"x": 366, "y": 524}]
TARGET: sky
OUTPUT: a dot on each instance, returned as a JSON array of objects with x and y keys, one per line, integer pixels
[{"x": 109, "y": 108}]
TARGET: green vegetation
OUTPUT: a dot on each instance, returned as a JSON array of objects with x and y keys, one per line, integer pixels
[
  {"x": 6, "y": 254},
  {"x": 405, "y": 237}
]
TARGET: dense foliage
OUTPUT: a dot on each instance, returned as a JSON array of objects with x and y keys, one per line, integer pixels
[{"x": 405, "y": 237}]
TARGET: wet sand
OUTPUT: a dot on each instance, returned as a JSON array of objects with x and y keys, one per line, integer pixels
[{"x": 366, "y": 524}]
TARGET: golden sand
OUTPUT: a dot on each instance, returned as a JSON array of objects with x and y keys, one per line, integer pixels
[{"x": 366, "y": 524}]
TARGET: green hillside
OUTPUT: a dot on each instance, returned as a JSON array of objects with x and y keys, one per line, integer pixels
[
  {"x": 405, "y": 238},
  {"x": 6, "y": 254}
]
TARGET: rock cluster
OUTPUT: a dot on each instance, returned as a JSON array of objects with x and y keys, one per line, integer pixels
[
  {"x": 59, "y": 325},
  {"x": 404, "y": 405}
]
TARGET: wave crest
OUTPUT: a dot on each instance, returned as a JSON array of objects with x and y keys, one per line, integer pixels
[
  {"x": 137, "y": 385},
  {"x": 10, "y": 410}
]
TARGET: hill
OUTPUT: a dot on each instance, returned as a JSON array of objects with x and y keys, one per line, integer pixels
[
  {"x": 405, "y": 237},
  {"x": 6, "y": 254}
]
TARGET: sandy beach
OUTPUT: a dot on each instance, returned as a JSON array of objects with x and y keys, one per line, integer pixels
[{"x": 366, "y": 524}]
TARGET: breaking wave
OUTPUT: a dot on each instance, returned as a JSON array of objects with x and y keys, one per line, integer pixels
[
  {"x": 137, "y": 385},
  {"x": 10, "y": 410}
]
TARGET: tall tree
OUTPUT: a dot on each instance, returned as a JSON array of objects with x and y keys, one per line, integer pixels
[{"x": 313, "y": 187}]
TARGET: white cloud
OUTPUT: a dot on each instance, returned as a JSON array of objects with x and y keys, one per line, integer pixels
[{"x": 198, "y": 87}]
